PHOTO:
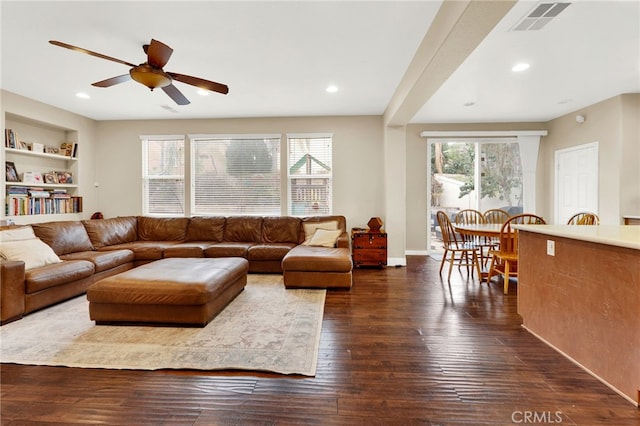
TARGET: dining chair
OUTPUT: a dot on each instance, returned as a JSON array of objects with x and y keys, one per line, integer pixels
[
  {"x": 504, "y": 259},
  {"x": 496, "y": 216},
  {"x": 458, "y": 250},
  {"x": 472, "y": 217},
  {"x": 584, "y": 218},
  {"x": 469, "y": 216}
]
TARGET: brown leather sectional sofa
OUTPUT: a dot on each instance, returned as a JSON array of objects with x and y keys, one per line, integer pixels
[{"x": 95, "y": 249}]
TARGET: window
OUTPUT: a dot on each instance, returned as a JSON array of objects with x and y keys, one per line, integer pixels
[
  {"x": 309, "y": 174},
  {"x": 236, "y": 175},
  {"x": 163, "y": 176}
]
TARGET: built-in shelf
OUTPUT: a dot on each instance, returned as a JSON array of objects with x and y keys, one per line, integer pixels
[
  {"x": 43, "y": 185},
  {"x": 45, "y": 194},
  {"x": 39, "y": 154}
]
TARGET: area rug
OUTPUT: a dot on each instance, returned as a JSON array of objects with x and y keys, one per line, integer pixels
[{"x": 265, "y": 328}]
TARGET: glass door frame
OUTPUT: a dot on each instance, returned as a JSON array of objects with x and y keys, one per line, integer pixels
[{"x": 478, "y": 141}]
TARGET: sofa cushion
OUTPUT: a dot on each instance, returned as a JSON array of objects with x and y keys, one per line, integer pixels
[
  {"x": 63, "y": 237},
  {"x": 206, "y": 228},
  {"x": 162, "y": 228},
  {"x": 34, "y": 253},
  {"x": 108, "y": 232},
  {"x": 57, "y": 274},
  {"x": 281, "y": 229},
  {"x": 228, "y": 249},
  {"x": 144, "y": 250},
  {"x": 188, "y": 249},
  {"x": 103, "y": 260},
  {"x": 317, "y": 259},
  {"x": 243, "y": 229},
  {"x": 272, "y": 251}
]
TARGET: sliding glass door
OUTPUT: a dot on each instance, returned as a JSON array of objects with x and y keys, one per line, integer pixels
[{"x": 478, "y": 174}]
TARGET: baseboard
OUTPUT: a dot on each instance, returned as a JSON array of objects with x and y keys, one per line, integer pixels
[
  {"x": 396, "y": 261},
  {"x": 416, "y": 252}
]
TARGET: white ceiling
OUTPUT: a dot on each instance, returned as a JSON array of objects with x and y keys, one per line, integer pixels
[{"x": 278, "y": 57}]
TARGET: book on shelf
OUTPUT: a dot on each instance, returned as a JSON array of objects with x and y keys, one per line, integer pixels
[
  {"x": 39, "y": 193},
  {"x": 60, "y": 193},
  {"x": 17, "y": 190},
  {"x": 26, "y": 206},
  {"x": 10, "y": 138}
]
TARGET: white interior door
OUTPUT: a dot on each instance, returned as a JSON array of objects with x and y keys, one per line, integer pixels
[{"x": 576, "y": 181}]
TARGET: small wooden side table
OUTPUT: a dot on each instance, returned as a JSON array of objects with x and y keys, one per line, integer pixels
[{"x": 369, "y": 248}]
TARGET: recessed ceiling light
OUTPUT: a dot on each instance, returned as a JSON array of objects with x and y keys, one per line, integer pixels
[
  {"x": 520, "y": 67},
  {"x": 203, "y": 92},
  {"x": 469, "y": 104},
  {"x": 332, "y": 89},
  {"x": 82, "y": 95}
]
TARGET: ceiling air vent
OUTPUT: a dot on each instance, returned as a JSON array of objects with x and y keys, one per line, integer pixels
[{"x": 540, "y": 16}]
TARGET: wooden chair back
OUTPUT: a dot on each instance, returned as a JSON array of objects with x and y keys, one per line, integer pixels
[
  {"x": 496, "y": 216},
  {"x": 584, "y": 218},
  {"x": 448, "y": 234},
  {"x": 469, "y": 216},
  {"x": 509, "y": 235}
]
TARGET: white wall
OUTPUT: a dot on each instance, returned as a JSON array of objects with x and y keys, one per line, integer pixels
[
  {"x": 357, "y": 158},
  {"x": 614, "y": 124}
]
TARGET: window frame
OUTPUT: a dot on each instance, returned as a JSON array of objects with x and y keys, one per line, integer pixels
[
  {"x": 195, "y": 138},
  {"x": 147, "y": 177},
  {"x": 290, "y": 177}
]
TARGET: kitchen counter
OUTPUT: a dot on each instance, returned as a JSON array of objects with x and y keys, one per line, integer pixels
[
  {"x": 614, "y": 235},
  {"x": 579, "y": 292}
]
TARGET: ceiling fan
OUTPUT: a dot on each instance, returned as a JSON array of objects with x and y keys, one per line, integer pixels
[{"x": 150, "y": 73}]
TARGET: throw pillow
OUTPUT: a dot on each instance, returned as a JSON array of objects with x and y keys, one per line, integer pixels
[
  {"x": 17, "y": 233},
  {"x": 34, "y": 253},
  {"x": 311, "y": 227},
  {"x": 325, "y": 238}
]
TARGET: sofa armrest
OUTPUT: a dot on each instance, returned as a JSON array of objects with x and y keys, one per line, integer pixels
[
  {"x": 12, "y": 290},
  {"x": 343, "y": 240}
]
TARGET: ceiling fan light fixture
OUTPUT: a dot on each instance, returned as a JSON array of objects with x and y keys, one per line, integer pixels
[{"x": 149, "y": 76}]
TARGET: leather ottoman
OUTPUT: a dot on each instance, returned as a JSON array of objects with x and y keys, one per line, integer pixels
[
  {"x": 317, "y": 267},
  {"x": 175, "y": 291}
]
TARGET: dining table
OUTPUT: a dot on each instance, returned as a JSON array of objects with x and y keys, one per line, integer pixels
[
  {"x": 489, "y": 231},
  {"x": 479, "y": 229}
]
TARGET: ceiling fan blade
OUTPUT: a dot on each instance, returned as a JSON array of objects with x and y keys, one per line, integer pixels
[
  {"x": 201, "y": 83},
  {"x": 176, "y": 95},
  {"x": 112, "y": 81},
  {"x": 89, "y": 52},
  {"x": 158, "y": 54}
]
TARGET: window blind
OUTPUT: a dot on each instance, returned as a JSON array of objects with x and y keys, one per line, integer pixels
[
  {"x": 310, "y": 175},
  {"x": 163, "y": 177},
  {"x": 236, "y": 175}
]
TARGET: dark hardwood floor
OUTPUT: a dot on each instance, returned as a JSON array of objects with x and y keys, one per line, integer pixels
[{"x": 402, "y": 347}]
